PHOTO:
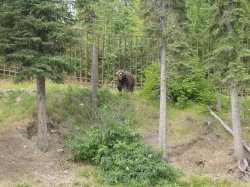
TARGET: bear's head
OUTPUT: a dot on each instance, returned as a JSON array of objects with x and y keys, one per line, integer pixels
[{"x": 120, "y": 74}]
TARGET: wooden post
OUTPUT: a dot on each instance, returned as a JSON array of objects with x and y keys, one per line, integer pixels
[
  {"x": 87, "y": 56},
  {"x": 103, "y": 53},
  {"x": 75, "y": 76},
  {"x": 130, "y": 66},
  {"x": 203, "y": 50},
  {"x": 136, "y": 57},
  {"x": 108, "y": 59},
  {"x": 219, "y": 103},
  {"x": 4, "y": 70},
  {"x": 125, "y": 59},
  {"x": 94, "y": 77}
]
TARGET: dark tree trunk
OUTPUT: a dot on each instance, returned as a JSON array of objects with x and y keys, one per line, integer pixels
[{"x": 42, "y": 141}]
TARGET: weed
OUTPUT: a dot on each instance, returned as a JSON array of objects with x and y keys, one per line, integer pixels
[
  {"x": 86, "y": 172},
  {"x": 24, "y": 185},
  {"x": 65, "y": 165}
]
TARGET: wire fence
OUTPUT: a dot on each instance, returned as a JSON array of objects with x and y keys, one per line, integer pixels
[{"x": 129, "y": 52}]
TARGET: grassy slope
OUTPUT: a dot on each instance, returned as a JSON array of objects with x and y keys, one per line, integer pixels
[{"x": 140, "y": 112}]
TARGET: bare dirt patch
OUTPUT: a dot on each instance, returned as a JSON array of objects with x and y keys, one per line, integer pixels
[
  {"x": 204, "y": 152},
  {"x": 22, "y": 162}
]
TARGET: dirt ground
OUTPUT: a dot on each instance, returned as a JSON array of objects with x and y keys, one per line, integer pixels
[
  {"x": 22, "y": 162},
  {"x": 207, "y": 155}
]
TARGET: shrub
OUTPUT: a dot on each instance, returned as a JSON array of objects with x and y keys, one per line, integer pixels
[
  {"x": 151, "y": 87},
  {"x": 122, "y": 155},
  {"x": 181, "y": 89}
]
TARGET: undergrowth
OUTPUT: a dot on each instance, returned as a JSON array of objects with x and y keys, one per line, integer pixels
[
  {"x": 122, "y": 155},
  {"x": 16, "y": 106},
  {"x": 182, "y": 90},
  {"x": 118, "y": 149}
]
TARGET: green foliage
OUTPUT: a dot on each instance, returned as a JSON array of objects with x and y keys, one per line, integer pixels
[
  {"x": 16, "y": 106},
  {"x": 24, "y": 185},
  {"x": 181, "y": 90},
  {"x": 34, "y": 37},
  {"x": 122, "y": 155},
  {"x": 73, "y": 105},
  {"x": 151, "y": 88},
  {"x": 114, "y": 108},
  {"x": 206, "y": 182},
  {"x": 192, "y": 89},
  {"x": 112, "y": 17}
]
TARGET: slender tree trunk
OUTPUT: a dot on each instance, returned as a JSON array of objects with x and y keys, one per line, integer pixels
[
  {"x": 238, "y": 146},
  {"x": 42, "y": 141},
  {"x": 163, "y": 92}
]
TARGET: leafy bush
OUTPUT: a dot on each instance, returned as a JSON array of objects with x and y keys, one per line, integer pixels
[
  {"x": 181, "y": 89},
  {"x": 122, "y": 155},
  {"x": 151, "y": 87}
]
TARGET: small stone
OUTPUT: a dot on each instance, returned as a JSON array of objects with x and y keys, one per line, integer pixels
[{"x": 60, "y": 150}]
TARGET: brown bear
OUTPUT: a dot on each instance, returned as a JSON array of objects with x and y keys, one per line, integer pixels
[{"x": 125, "y": 81}]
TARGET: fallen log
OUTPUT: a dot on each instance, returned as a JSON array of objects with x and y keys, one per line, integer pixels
[
  {"x": 227, "y": 128},
  {"x": 243, "y": 165}
]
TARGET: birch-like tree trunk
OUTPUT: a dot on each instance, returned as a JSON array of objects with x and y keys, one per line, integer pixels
[
  {"x": 238, "y": 146},
  {"x": 163, "y": 91},
  {"x": 42, "y": 141}
]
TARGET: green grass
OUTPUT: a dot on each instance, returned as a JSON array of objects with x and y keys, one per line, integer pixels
[
  {"x": 69, "y": 104},
  {"x": 24, "y": 185},
  {"x": 16, "y": 107}
]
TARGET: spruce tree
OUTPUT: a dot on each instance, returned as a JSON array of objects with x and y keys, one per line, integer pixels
[
  {"x": 33, "y": 36},
  {"x": 229, "y": 25}
]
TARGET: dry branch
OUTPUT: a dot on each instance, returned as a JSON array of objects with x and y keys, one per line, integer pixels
[
  {"x": 227, "y": 128},
  {"x": 242, "y": 164}
]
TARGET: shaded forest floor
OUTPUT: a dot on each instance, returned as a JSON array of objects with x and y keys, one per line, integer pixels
[{"x": 193, "y": 147}]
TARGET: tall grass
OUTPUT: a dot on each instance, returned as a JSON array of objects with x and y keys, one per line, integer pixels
[{"x": 16, "y": 106}]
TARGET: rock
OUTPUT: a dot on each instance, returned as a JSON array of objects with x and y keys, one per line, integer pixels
[
  {"x": 53, "y": 131},
  {"x": 60, "y": 150}
]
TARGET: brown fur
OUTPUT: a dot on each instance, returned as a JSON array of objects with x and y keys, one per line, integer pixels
[{"x": 125, "y": 80}]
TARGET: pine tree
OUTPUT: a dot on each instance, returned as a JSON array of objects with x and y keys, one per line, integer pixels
[
  {"x": 33, "y": 36},
  {"x": 229, "y": 26}
]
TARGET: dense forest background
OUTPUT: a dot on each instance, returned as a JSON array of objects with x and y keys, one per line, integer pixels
[{"x": 207, "y": 41}]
